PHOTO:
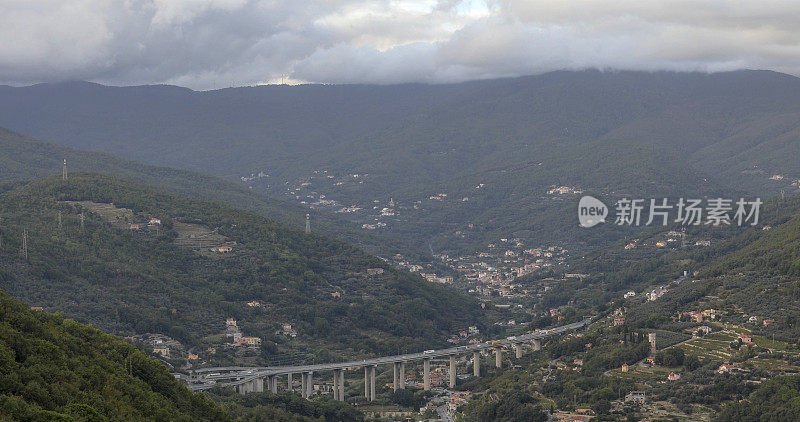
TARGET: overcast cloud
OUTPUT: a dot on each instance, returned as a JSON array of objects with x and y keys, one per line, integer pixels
[{"x": 205, "y": 44}]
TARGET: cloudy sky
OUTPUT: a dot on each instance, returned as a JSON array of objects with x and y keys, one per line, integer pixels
[{"x": 205, "y": 44}]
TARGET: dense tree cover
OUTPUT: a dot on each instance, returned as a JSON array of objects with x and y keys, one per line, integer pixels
[
  {"x": 52, "y": 368},
  {"x": 514, "y": 407},
  {"x": 671, "y": 357},
  {"x": 413, "y": 398},
  {"x": 700, "y": 383},
  {"x": 142, "y": 281},
  {"x": 284, "y": 406},
  {"x": 571, "y": 390},
  {"x": 777, "y": 399}
]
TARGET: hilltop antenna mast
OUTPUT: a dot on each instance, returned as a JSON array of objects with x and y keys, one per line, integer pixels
[
  {"x": 25, "y": 243},
  {"x": 308, "y": 223},
  {"x": 64, "y": 170}
]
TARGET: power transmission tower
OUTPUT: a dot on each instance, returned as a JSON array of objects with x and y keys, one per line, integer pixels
[
  {"x": 25, "y": 243},
  {"x": 64, "y": 170}
]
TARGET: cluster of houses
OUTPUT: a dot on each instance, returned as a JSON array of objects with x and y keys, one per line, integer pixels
[
  {"x": 232, "y": 330},
  {"x": 671, "y": 237},
  {"x": 619, "y": 316},
  {"x": 576, "y": 365},
  {"x": 697, "y": 316},
  {"x": 433, "y": 278},
  {"x": 163, "y": 346},
  {"x": 494, "y": 271},
  {"x": 763, "y": 321},
  {"x": 458, "y": 399},
  {"x": 287, "y": 330},
  {"x": 656, "y": 293},
  {"x": 462, "y": 335},
  {"x": 153, "y": 222},
  {"x": 563, "y": 190}
]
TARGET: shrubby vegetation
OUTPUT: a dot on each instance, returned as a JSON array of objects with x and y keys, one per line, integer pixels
[
  {"x": 284, "y": 406},
  {"x": 52, "y": 368},
  {"x": 778, "y": 399}
]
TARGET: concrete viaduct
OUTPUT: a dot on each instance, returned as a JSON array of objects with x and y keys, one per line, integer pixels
[{"x": 246, "y": 380}]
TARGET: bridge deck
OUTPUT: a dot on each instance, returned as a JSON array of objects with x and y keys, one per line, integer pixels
[{"x": 245, "y": 374}]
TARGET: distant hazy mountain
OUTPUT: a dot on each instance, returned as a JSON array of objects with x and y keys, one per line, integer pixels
[{"x": 607, "y": 132}]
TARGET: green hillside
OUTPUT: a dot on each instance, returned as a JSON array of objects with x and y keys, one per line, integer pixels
[
  {"x": 747, "y": 270},
  {"x": 22, "y": 158},
  {"x": 168, "y": 278},
  {"x": 52, "y": 368},
  {"x": 744, "y": 289},
  {"x": 513, "y": 200},
  {"x": 358, "y": 146}
]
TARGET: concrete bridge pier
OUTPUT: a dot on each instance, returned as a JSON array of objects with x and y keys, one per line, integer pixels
[
  {"x": 518, "y": 350},
  {"x": 366, "y": 382},
  {"x": 306, "y": 384},
  {"x": 396, "y": 376},
  {"x": 452, "y": 371},
  {"x": 341, "y": 385},
  {"x": 498, "y": 357},
  {"x": 252, "y": 386},
  {"x": 402, "y": 375},
  {"x": 476, "y": 363},
  {"x": 372, "y": 382},
  {"x": 272, "y": 381},
  {"x": 537, "y": 345},
  {"x": 289, "y": 382},
  {"x": 336, "y": 384},
  {"x": 369, "y": 382},
  {"x": 426, "y": 374}
]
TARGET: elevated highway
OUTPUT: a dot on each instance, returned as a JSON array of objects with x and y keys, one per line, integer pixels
[{"x": 250, "y": 379}]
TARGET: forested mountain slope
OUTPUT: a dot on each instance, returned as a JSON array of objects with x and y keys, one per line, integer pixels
[
  {"x": 126, "y": 274},
  {"x": 359, "y": 146},
  {"x": 22, "y": 157},
  {"x": 52, "y": 368}
]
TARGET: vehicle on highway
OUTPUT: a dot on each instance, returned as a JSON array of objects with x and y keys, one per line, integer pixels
[{"x": 428, "y": 352}]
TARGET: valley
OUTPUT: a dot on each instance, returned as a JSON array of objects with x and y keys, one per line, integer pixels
[{"x": 441, "y": 232}]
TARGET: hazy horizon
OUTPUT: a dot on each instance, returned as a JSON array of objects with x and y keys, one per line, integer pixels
[{"x": 207, "y": 45}]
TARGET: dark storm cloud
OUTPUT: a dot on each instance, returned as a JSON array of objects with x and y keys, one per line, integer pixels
[{"x": 204, "y": 43}]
